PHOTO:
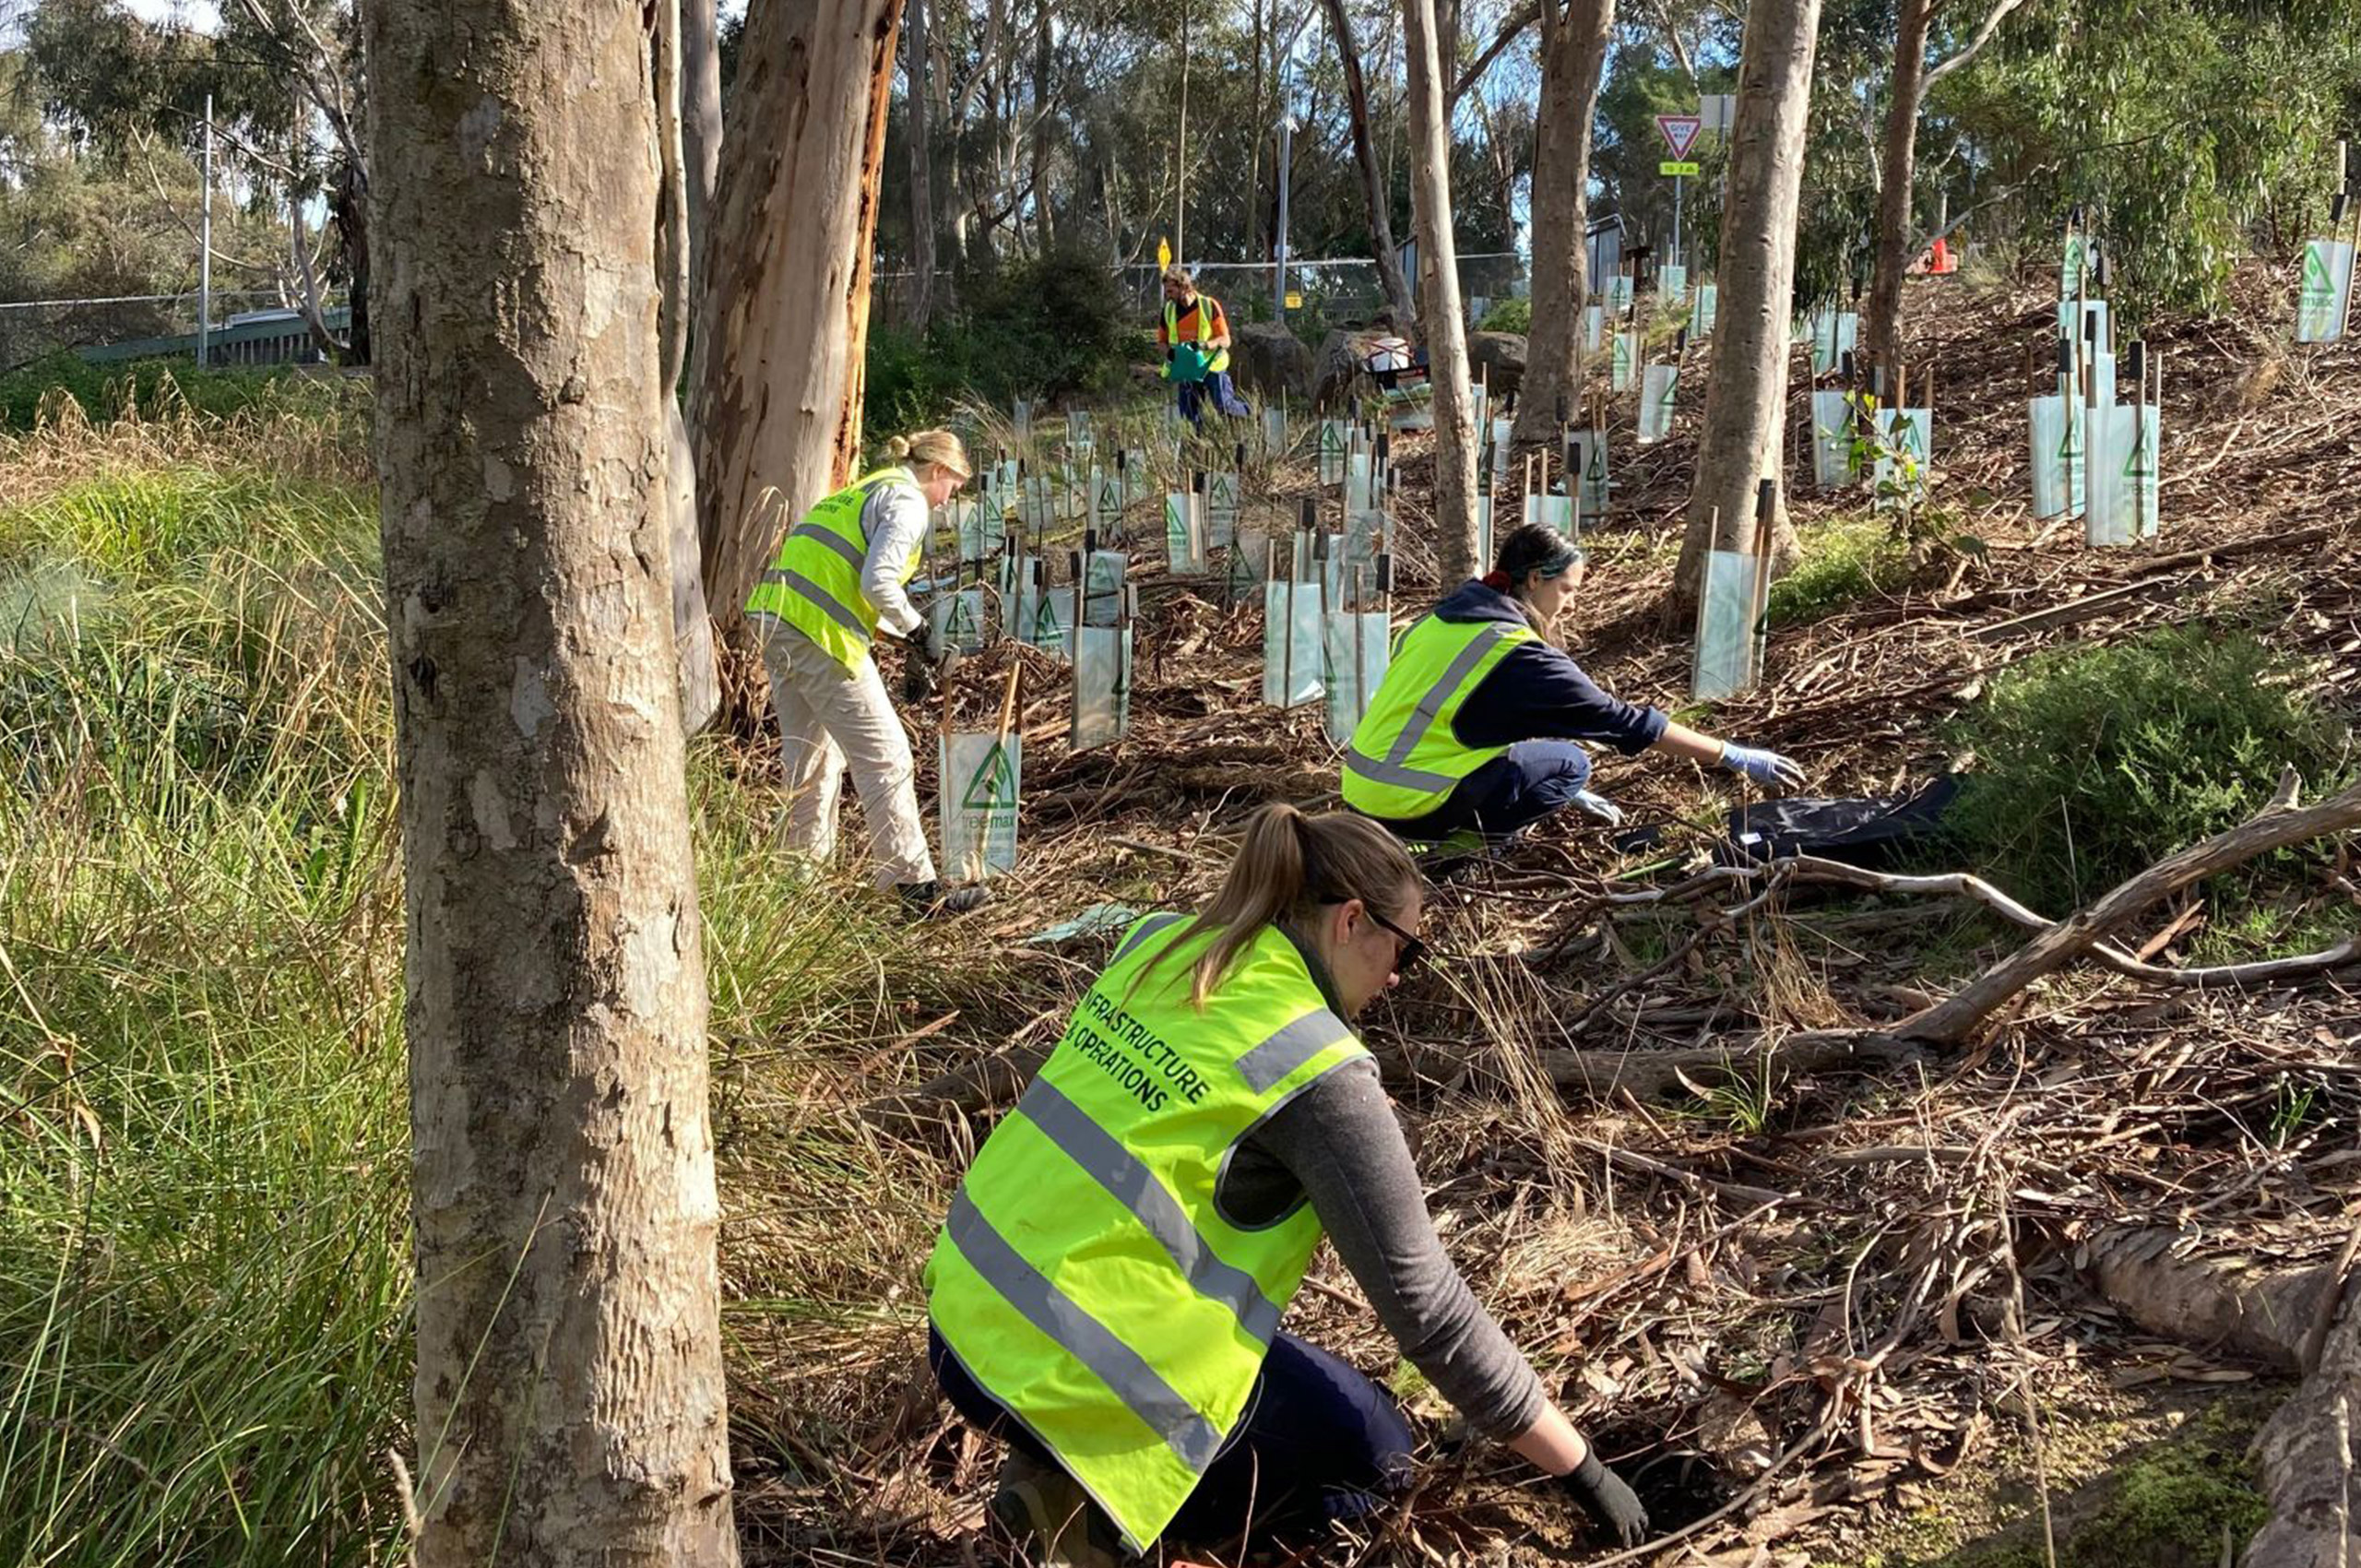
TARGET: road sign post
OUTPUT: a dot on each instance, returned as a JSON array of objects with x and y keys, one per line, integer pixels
[{"x": 1679, "y": 132}]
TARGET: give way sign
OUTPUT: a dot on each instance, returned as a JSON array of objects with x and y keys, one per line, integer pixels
[{"x": 1679, "y": 132}]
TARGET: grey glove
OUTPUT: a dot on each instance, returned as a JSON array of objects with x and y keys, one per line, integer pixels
[
  {"x": 1600, "y": 806},
  {"x": 934, "y": 644}
]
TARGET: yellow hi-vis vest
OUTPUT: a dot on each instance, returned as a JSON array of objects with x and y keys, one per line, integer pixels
[
  {"x": 1402, "y": 760},
  {"x": 1086, "y": 1276},
  {"x": 1220, "y": 360},
  {"x": 814, "y": 584}
]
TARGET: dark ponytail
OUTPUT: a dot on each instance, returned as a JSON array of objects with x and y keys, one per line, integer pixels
[{"x": 1287, "y": 866}]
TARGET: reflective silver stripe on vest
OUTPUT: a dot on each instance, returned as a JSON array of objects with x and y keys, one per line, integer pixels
[
  {"x": 1133, "y": 1184},
  {"x": 1147, "y": 928},
  {"x": 852, "y": 553},
  {"x": 809, "y": 589},
  {"x": 1378, "y": 772},
  {"x": 1430, "y": 706},
  {"x": 1266, "y": 1064},
  {"x": 1143, "y": 1391}
]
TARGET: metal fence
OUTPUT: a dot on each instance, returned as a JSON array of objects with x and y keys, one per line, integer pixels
[{"x": 154, "y": 326}]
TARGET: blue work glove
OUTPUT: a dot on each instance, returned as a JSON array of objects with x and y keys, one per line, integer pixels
[
  {"x": 1600, "y": 806},
  {"x": 1765, "y": 768}
]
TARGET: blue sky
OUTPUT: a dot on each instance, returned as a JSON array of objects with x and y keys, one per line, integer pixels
[{"x": 204, "y": 14}]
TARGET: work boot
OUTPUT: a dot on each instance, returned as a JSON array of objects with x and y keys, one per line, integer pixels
[
  {"x": 927, "y": 900},
  {"x": 1048, "y": 1511}
]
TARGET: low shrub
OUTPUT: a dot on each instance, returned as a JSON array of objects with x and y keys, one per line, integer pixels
[
  {"x": 1044, "y": 328},
  {"x": 2092, "y": 763},
  {"x": 1844, "y": 561},
  {"x": 1507, "y": 316}
]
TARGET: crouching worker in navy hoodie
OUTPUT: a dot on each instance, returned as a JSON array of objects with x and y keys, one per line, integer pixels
[{"x": 1476, "y": 729}]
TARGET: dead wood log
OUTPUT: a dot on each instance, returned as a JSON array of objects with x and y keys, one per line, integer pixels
[
  {"x": 2218, "y": 1304},
  {"x": 2281, "y": 824},
  {"x": 2271, "y": 1317},
  {"x": 1663, "y": 1075}
]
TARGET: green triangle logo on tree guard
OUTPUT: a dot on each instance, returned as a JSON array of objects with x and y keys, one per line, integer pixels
[
  {"x": 2319, "y": 286},
  {"x": 1046, "y": 630},
  {"x": 962, "y": 619},
  {"x": 1596, "y": 469},
  {"x": 1905, "y": 437},
  {"x": 2135, "y": 462},
  {"x": 993, "y": 785}
]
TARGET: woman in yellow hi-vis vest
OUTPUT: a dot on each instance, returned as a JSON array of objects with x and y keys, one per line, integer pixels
[
  {"x": 1475, "y": 731},
  {"x": 1106, "y": 1294},
  {"x": 839, "y": 576}
]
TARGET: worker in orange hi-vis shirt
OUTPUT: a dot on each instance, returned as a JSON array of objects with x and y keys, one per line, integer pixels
[{"x": 1195, "y": 336}]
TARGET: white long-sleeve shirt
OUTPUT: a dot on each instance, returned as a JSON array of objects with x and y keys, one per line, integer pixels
[{"x": 895, "y": 518}]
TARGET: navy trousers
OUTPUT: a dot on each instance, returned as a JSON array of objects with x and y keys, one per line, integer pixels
[
  {"x": 1319, "y": 1441},
  {"x": 1532, "y": 779},
  {"x": 1217, "y": 389}
]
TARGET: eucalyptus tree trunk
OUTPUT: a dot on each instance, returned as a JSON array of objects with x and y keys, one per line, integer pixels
[
  {"x": 1882, "y": 329},
  {"x": 784, "y": 308},
  {"x": 1573, "y": 54},
  {"x": 915, "y": 65},
  {"x": 568, "y": 1388},
  {"x": 1746, "y": 389},
  {"x": 1446, "y": 328},
  {"x": 1374, "y": 186}
]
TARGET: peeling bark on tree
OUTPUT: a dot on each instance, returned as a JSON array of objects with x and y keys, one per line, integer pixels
[
  {"x": 569, "y": 1394},
  {"x": 1746, "y": 389},
  {"x": 785, "y": 306},
  {"x": 1446, "y": 328},
  {"x": 1573, "y": 53}
]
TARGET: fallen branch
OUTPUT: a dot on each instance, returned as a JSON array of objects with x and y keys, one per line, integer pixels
[
  {"x": 2278, "y": 825},
  {"x": 1660, "y": 1074},
  {"x": 1966, "y": 884}
]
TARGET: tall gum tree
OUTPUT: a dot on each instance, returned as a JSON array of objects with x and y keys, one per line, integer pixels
[
  {"x": 1573, "y": 52},
  {"x": 568, "y": 1389},
  {"x": 1746, "y": 389},
  {"x": 785, "y": 307},
  {"x": 1444, "y": 325}
]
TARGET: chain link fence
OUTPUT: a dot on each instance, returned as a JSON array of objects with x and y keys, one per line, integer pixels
[{"x": 249, "y": 326}]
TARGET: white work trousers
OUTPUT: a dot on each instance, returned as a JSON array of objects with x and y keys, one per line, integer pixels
[{"x": 827, "y": 718}]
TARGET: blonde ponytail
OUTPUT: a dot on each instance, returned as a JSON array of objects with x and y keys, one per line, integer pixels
[
  {"x": 940, "y": 448},
  {"x": 1287, "y": 865}
]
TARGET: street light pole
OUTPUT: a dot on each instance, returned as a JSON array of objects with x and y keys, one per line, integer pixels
[{"x": 205, "y": 245}]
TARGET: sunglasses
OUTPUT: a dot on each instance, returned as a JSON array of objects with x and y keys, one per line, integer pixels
[{"x": 1413, "y": 948}]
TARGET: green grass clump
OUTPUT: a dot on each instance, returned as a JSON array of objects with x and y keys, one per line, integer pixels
[
  {"x": 152, "y": 389},
  {"x": 205, "y": 1264},
  {"x": 1846, "y": 560},
  {"x": 2092, "y": 763}
]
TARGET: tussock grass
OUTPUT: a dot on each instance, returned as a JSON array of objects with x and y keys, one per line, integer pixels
[
  {"x": 1846, "y": 560},
  {"x": 205, "y": 1352}
]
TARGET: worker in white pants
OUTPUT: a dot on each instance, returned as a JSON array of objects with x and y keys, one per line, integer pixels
[{"x": 839, "y": 576}]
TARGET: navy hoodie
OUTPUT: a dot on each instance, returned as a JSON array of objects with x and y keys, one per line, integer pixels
[{"x": 1537, "y": 693}]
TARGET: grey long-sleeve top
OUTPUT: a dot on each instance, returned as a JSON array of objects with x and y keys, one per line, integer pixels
[{"x": 1337, "y": 1146}]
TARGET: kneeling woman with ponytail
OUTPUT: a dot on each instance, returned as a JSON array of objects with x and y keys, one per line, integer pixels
[
  {"x": 1107, "y": 1292},
  {"x": 1475, "y": 729}
]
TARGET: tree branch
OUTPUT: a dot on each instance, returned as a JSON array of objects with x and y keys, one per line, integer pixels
[
  {"x": 2278, "y": 825},
  {"x": 1512, "y": 28},
  {"x": 1992, "y": 20}
]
